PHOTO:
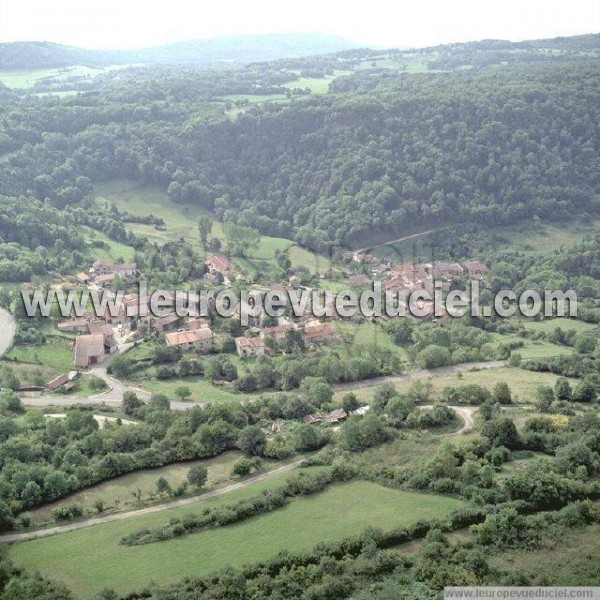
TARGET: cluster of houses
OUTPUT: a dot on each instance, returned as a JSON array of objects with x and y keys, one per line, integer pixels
[
  {"x": 313, "y": 332},
  {"x": 103, "y": 274},
  {"x": 98, "y": 334},
  {"x": 406, "y": 278},
  {"x": 97, "y": 337}
]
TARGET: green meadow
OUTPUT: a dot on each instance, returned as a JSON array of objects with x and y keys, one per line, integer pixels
[
  {"x": 181, "y": 222},
  {"x": 522, "y": 383},
  {"x": 91, "y": 559}
]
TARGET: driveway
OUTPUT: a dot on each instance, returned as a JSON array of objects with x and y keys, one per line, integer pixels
[{"x": 465, "y": 412}]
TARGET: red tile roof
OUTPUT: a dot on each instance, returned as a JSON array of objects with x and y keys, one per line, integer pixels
[{"x": 178, "y": 338}]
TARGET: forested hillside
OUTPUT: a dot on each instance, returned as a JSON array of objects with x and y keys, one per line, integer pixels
[
  {"x": 412, "y": 150},
  {"x": 384, "y": 152},
  {"x": 391, "y": 152}
]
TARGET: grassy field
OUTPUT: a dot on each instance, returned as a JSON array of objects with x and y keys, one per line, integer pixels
[
  {"x": 91, "y": 559},
  {"x": 532, "y": 348},
  {"x": 521, "y": 382},
  {"x": 366, "y": 334},
  {"x": 117, "y": 493},
  {"x": 317, "y": 85},
  {"x": 202, "y": 389},
  {"x": 22, "y": 79},
  {"x": 180, "y": 221},
  {"x": 55, "y": 354},
  {"x": 536, "y": 349},
  {"x": 409, "y": 450},
  {"x": 564, "y": 323},
  {"x": 545, "y": 238},
  {"x": 110, "y": 250},
  {"x": 31, "y": 374},
  {"x": 148, "y": 200}
]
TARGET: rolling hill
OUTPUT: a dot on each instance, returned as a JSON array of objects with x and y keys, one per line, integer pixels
[{"x": 228, "y": 49}]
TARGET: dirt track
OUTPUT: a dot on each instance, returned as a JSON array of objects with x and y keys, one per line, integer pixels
[{"x": 31, "y": 535}]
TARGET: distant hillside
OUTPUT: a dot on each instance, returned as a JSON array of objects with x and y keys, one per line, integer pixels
[{"x": 229, "y": 49}]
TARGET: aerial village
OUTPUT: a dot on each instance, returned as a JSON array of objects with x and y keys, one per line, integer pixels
[{"x": 99, "y": 337}]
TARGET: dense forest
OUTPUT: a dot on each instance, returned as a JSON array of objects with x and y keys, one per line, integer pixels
[{"x": 384, "y": 150}]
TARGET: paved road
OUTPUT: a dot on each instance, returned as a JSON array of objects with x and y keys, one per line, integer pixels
[
  {"x": 31, "y": 535},
  {"x": 114, "y": 395},
  {"x": 8, "y": 326}
]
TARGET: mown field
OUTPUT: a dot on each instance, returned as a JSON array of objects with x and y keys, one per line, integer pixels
[
  {"x": 90, "y": 559},
  {"x": 548, "y": 325},
  {"x": 22, "y": 79}
]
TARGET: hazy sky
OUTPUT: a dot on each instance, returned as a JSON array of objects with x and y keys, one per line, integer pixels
[{"x": 134, "y": 23}]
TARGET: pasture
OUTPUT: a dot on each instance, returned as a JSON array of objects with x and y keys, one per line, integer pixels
[
  {"x": 90, "y": 559},
  {"x": 181, "y": 222},
  {"x": 27, "y": 78},
  {"x": 56, "y": 353},
  {"x": 522, "y": 383}
]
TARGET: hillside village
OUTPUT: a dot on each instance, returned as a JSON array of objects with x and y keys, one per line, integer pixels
[{"x": 99, "y": 337}]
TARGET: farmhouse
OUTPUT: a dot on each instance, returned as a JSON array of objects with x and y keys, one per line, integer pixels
[
  {"x": 105, "y": 280},
  {"x": 83, "y": 278},
  {"x": 101, "y": 267},
  {"x": 218, "y": 264},
  {"x": 444, "y": 269},
  {"x": 278, "y": 332},
  {"x": 125, "y": 269},
  {"x": 78, "y": 325},
  {"x": 167, "y": 323},
  {"x": 199, "y": 339},
  {"x": 247, "y": 347},
  {"x": 315, "y": 333},
  {"x": 89, "y": 350},
  {"x": 194, "y": 324},
  {"x": 110, "y": 343},
  {"x": 335, "y": 416},
  {"x": 57, "y": 382},
  {"x": 475, "y": 268}
]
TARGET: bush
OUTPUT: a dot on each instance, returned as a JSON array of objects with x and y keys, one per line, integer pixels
[{"x": 66, "y": 513}]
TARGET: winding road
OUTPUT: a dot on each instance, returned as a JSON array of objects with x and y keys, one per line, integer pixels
[
  {"x": 114, "y": 395},
  {"x": 8, "y": 327}
]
